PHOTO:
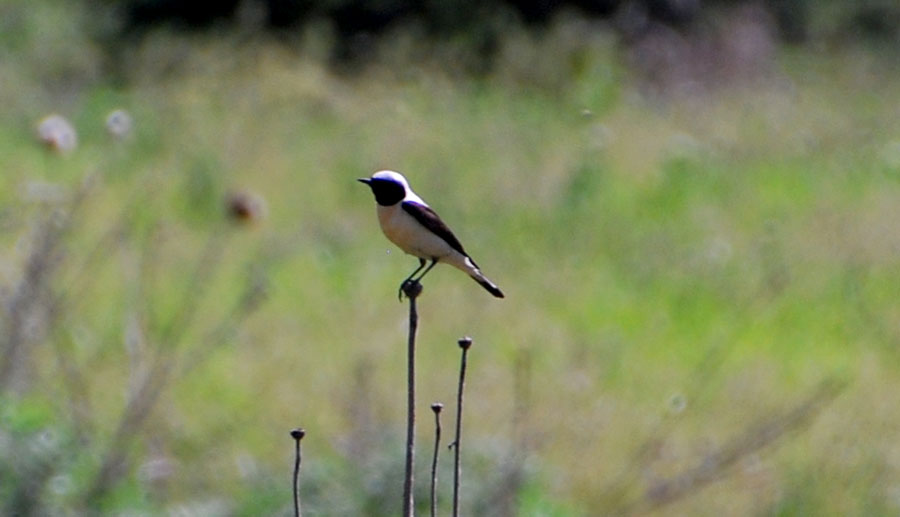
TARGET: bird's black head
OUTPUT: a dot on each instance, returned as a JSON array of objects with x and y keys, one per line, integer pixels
[{"x": 389, "y": 187}]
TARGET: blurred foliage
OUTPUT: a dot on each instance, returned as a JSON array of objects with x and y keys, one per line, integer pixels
[
  {"x": 482, "y": 25},
  {"x": 688, "y": 252},
  {"x": 798, "y": 18}
]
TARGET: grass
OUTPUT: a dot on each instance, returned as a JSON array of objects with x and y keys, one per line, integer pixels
[{"x": 727, "y": 251}]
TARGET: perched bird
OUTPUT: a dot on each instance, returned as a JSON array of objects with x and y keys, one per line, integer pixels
[{"x": 412, "y": 225}]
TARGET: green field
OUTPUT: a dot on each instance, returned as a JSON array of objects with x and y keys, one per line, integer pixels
[{"x": 701, "y": 316}]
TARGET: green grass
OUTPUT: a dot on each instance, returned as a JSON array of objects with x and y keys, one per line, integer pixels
[{"x": 732, "y": 250}]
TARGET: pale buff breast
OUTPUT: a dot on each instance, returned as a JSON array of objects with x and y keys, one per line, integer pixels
[{"x": 413, "y": 238}]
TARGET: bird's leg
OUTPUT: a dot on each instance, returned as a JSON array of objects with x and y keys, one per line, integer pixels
[
  {"x": 410, "y": 278},
  {"x": 433, "y": 263}
]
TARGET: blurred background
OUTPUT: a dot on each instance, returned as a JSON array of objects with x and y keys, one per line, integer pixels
[{"x": 692, "y": 206}]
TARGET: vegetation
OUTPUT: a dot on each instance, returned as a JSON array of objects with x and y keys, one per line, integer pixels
[{"x": 701, "y": 287}]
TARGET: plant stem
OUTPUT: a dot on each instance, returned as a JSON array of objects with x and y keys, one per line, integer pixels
[
  {"x": 436, "y": 407},
  {"x": 412, "y": 290},
  {"x": 297, "y": 434},
  {"x": 464, "y": 343}
]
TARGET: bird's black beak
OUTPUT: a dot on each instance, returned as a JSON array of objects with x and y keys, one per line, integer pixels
[{"x": 367, "y": 181}]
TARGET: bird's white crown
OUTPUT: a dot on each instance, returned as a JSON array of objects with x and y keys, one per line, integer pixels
[{"x": 394, "y": 176}]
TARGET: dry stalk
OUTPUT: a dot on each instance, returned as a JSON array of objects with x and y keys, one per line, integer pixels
[
  {"x": 464, "y": 343},
  {"x": 412, "y": 291},
  {"x": 297, "y": 434},
  {"x": 436, "y": 407}
]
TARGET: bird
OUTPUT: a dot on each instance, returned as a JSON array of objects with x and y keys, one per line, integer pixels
[{"x": 415, "y": 228}]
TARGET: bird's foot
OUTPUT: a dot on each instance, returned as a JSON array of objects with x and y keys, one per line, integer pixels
[{"x": 411, "y": 288}]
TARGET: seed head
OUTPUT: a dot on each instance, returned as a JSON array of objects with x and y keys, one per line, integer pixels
[
  {"x": 119, "y": 123},
  {"x": 465, "y": 342},
  {"x": 412, "y": 289},
  {"x": 677, "y": 403},
  {"x": 437, "y": 407},
  {"x": 244, "y": 206},
  {"x": 57, "y": 133},
  {"x": 298, "y": 433}
]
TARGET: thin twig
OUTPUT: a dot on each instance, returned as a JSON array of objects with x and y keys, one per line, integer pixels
[
  {"x": 297, "y": 434},
  {"x": 34, "y": 291},
  {"x": 253, "y": 296},
  {"x": 26, "y": 300},
  {"x": 714, "y": 465},
  {"x": 436, "y": 407},
  {"x": 209, "y": 260},
  {"x": 142, "y": 401},
  {"x": 133, "y": 417},
  {"x": 616, "y": 491},
  {"x": 464, "y": 343},
  {"x": 412, "y": 290}
]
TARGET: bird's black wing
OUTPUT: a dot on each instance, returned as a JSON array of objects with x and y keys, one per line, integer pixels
[{"x": 430, "y": 220}]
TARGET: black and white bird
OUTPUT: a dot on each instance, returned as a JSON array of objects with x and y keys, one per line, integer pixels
[{"x": 415, "y": 228}]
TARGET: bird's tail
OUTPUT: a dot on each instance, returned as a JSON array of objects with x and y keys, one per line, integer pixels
[{"x": 491, "y": 287}]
